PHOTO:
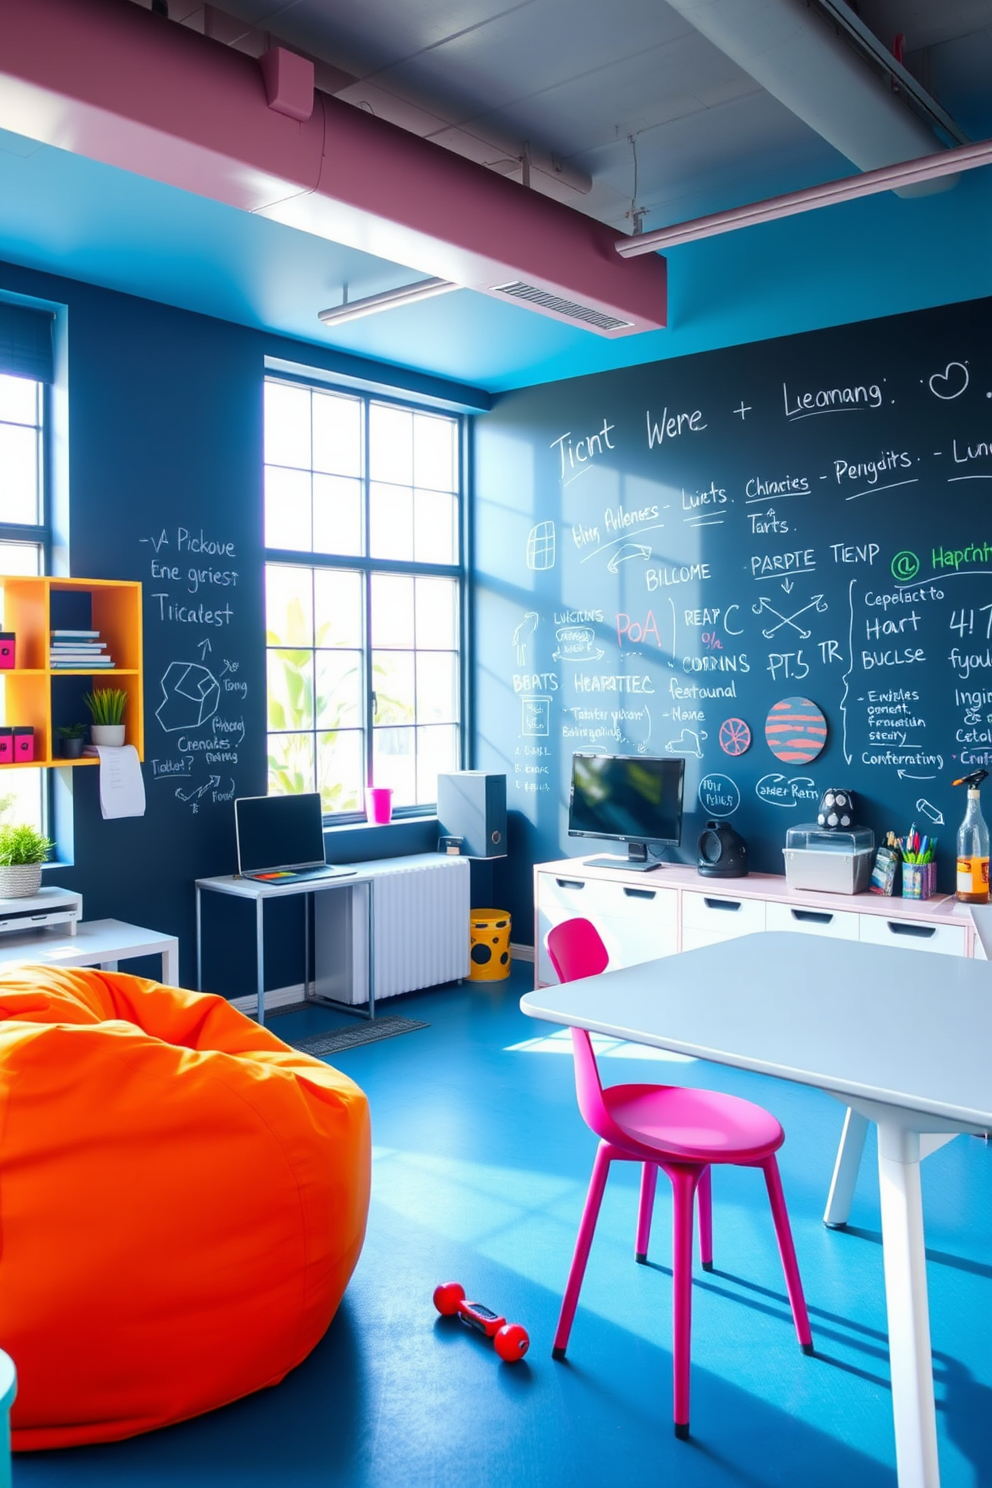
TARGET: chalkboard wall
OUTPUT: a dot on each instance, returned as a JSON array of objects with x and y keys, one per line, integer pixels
[{"x": 666, "y": 552}]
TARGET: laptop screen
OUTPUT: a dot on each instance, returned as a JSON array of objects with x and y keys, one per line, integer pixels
[{"x": 279, "y": 832}]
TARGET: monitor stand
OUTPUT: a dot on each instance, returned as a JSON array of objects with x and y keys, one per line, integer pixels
[{"x": 636, "y": 861}]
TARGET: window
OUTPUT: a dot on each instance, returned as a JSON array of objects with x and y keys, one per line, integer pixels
[
  {"x": 363, "y": 595},
  {"x": 23, "y": 534}
]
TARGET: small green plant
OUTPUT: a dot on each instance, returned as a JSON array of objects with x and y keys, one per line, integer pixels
[
  {"x": 19, "y": 845},
  {"x": 106, "y": 705},
  {"x": 71, "y": 730}
]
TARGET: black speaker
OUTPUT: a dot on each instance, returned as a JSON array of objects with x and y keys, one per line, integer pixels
[
  {"x": 472, "y": 805},
  {"x": 722, "y": 852}
]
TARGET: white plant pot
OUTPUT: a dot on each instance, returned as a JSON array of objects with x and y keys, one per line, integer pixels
[
  {"x": 107, "y": 733},
  {"x": 20, "y": 880}
]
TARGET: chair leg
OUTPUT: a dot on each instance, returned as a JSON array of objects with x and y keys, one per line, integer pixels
[
  {"x": 649, "y": 1182},
  {"x": 587, "y": 1228},
  {"x": 787, "y": 1250},
  {"x": 705, "y": 1191},
  {"x": 684, "y": 1182}
]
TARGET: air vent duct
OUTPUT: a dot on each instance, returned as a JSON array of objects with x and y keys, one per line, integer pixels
[
  {"x": 165, "y": 102},
  {"x": 570, "y": 310}
]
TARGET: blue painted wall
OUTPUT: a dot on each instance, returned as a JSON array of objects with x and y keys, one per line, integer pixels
[{"x": 165, "y": 431}]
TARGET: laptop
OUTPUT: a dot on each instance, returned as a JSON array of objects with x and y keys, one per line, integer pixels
[{"x": 281, "y": 839}]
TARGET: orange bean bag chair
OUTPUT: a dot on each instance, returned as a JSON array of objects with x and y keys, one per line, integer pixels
[{"x": 182, "y": 1201}]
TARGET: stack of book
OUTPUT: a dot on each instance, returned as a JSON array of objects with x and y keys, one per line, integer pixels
[{"x": 79, "y": 651}]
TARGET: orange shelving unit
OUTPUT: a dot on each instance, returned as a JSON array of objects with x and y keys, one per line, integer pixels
[{"x": 30, "y": 691}]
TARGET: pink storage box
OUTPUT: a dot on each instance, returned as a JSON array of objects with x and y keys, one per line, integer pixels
[
  {"x": 8, "y": 650},
  {"x": 23, "y": 745}
]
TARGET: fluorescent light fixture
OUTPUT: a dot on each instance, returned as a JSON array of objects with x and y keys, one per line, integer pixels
[
  {"x": 422, "y": 289},
  {"x": 887, "y": 178}
]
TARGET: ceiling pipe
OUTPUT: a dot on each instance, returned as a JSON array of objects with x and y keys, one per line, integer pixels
[
  {"x": 889, "y": 178},
  {"x": 787, "y": 47},
  {"x": 109, "y": 81}
]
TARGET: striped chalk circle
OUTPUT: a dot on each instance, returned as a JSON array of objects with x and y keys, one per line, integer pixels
[{"x": 795, "y": 731}]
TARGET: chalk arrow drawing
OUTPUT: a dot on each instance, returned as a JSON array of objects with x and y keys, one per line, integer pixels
[
  {"x": 203, "y": 647},
  {"x": 930, "y": 810},
  {"x": 194, "y": 795},
  {"x": 787, "y": 585},
  {"x": 817, "y": 603},
  {"x": 629, "y": 550},
  {"x": 522, "y": 635},
  {"x": 905, "y": 775}
]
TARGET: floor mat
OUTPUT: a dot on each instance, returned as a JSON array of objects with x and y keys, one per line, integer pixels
[{"x": 366, "y": 1032}]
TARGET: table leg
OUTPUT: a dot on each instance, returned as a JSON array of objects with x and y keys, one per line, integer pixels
[
  {"x": 260, "y": 959},
  {"x": 199, "y": 944},
  {"x": 170, "y": 965},
  {"x": 852, "y": 1145},
  {"x": 904, "y": 1258}
]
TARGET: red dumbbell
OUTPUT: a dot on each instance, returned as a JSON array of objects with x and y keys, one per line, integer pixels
[{"x": 510, "y": 1340}]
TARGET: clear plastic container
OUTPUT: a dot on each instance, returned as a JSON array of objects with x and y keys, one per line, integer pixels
[{"x": 834, "y": 862}]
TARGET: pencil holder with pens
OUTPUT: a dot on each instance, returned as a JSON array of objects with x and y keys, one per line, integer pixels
[{"x": 919, "y": 880}]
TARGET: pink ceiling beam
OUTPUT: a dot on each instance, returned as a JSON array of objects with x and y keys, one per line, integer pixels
[{"x": 119, "y": 84}]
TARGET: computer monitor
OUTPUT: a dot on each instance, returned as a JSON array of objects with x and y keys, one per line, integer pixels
[
  {"x": 627, "y": 798},
  {"x": 279, "y": 832}
]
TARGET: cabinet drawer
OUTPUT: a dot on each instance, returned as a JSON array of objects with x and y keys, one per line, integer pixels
[
  {"x": 724, "y": 914},
  {"x": 638, "y": 922},
  {"x": 692, "y": 938},
  {"x": 840, "y": 923},
  {"x": 946, "y": 940}
]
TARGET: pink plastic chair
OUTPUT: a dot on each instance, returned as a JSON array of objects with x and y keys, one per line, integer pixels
[{"x": 682, "y": 1131}]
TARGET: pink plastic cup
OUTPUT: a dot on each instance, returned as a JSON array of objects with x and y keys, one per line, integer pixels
[{"x": 379, "y": 805}]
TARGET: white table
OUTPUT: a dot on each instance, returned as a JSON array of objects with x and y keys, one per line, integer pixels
[
  {"x": 258, "y": 893},
  {"x": 860, "y": 1022},
  {"x": 94, "y": 943}
]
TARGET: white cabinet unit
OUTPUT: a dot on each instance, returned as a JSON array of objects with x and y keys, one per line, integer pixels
[{"x": 642, "y": 916}]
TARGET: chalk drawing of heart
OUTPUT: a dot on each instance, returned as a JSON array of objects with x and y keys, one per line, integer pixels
[{"x": 950, "y": 383}]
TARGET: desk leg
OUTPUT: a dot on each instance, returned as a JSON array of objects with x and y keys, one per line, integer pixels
[
  {"x": 370, "y": 907},
  {"x": 904, "y": 1257},
  {"x": 260, "y": 959},
  {"x": 199, "y": 938},
  {"x": 849, "y": 1153}
]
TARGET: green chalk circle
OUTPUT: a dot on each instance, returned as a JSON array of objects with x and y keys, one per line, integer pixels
[{"x": 905, "y": 566}]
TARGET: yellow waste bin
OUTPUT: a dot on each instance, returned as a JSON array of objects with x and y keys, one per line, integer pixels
[{"x": 490, "y": 945}]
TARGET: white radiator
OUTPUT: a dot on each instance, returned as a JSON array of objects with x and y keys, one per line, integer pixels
[{"x": 422, "y": 938}]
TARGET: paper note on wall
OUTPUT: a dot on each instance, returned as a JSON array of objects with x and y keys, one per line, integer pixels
[{"x": 122, "y": 790}]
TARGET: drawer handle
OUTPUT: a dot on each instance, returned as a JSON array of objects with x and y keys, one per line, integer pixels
[
  {"x": 570, "y": 883},
  {"x": 639, "y": 893},
  {"x": 921, "y": 932},
  {"x": 731, "y": 904},
  {"x": 811, "y": 916}
]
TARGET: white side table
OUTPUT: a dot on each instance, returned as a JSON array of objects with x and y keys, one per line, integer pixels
[{"x": 95, "y": 943}]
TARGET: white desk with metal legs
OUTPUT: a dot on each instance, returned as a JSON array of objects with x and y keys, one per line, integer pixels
[
  {"x": 860, "y": 1022},
  {"x": 248, "y": 888}
]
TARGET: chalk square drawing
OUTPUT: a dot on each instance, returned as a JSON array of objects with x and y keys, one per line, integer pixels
[
  {"x": 535, "y": 717},
  {"x": 190, "y": 696},
  {"x": 541, "y": 546}
]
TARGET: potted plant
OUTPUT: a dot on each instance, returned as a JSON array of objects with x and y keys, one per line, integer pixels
[
  {"x": 106, "y": 707},
  {"x": 70, "y": 737},
  {"x": 22, "y": 852}
]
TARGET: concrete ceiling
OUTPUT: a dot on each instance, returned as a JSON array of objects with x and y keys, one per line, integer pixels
[{"x": 623, "y": 98}]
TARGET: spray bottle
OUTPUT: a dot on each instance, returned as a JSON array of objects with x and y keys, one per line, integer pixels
[{"x": 973, "y": 845}]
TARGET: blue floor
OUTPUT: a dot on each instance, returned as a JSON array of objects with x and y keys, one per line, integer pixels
[{"x": 481, "y": 1162}]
